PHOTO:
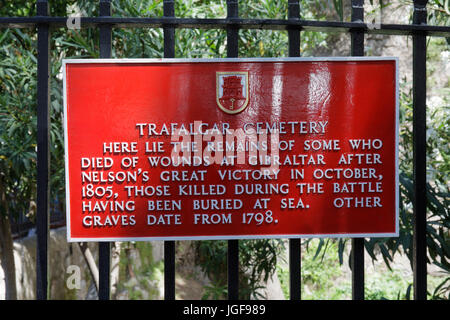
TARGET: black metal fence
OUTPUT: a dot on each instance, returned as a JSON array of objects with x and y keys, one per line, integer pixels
[{"x": 419, "y": 30}]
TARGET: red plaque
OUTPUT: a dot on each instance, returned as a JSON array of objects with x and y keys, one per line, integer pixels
[{"x": 231, "y": 148}]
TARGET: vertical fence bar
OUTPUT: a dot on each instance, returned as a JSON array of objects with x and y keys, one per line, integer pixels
[
  {"x": 357, "y": 265},
  {"x": 233, "y": 269},
  {"x": 169, "y": 270},
  {"x": 357, "y": 253},
  {"x": 295, "y": 288},
  {"x": 233, "y": 245},
  {"x": 169, "y": 246},
  {"x": 43, "y": 151},
  {"x": 169, "y": 31},
  {"x": 232, "y": 31},
  {"x": 104, "y": 252},
  {"x": 419, "y": 153}
]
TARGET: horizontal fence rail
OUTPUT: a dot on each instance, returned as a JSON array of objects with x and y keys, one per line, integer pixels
[
  {"x": 232, "y": 24},
  {"x": 241, "y": 23}
]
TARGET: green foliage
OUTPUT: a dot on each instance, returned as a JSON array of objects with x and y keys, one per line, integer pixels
[
  {"x": 215, "y": 291},
  {"x": 437, "y": 191},
  {"x": 18, "y": 8},
  {"x": 439, "y": 12},
  {"x": 442, "y": 291},
  {"x": 323, "y": 277},
  {"x": 140, "y": 276},
  {"x": 389, "y": 285},
  {"x": 320, "y": 270},
  {"x": 257, "y": 262},
  {"x": 17, "y": 121}
]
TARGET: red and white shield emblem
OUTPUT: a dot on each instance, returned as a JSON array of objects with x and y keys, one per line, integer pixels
[{"x": 232, "y": 91}]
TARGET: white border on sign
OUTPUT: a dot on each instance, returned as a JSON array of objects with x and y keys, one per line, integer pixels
[{"x": 231, "y": 60}]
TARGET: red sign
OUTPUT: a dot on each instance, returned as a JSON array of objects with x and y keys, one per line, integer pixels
[{"x": 231, "y": 148}]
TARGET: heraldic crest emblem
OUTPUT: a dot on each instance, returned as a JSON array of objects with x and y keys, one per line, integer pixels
[{"x": 232, "y": 91}]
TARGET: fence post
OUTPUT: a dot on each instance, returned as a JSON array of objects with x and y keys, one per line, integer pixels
[
  {"x": 233, "y": 245},
  {"x": 104, "y": 252},
  {"x": 357, "y": 253},
  {"x": 419, "y": 153},
  {"x": 295, "y": 287},
  {"x": 169, "y": 246},
  {"x": 43, "y": 151}
]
